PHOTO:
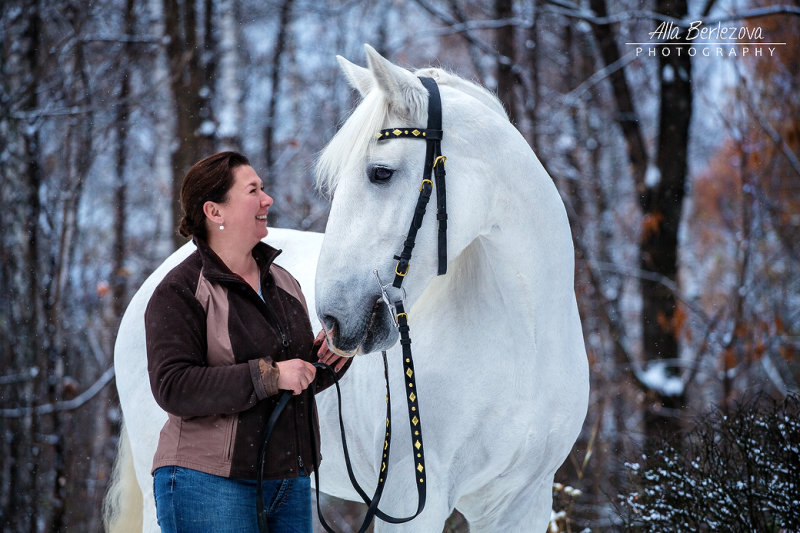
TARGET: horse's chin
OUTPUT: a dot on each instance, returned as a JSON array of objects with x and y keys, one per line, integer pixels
[{"x": 379, "y": 334}]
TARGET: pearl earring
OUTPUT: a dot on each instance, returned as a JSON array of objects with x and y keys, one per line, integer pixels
[{"x": 221, "y": 227}]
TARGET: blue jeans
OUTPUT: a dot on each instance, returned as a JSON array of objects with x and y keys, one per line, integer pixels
[{"x": 188, "y": 501}]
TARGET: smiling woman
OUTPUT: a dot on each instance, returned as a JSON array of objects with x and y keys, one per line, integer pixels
[
  {"x": 226, "y": 330},
  {"x": 243, "y": 216}
]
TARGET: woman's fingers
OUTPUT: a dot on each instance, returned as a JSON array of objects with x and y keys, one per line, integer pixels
[
  {"x": 326, "y": 355},
  {"x": 295, "y": 375}
]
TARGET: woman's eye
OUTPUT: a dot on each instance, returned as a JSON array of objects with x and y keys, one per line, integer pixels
[{"x": 380, "y": 174}]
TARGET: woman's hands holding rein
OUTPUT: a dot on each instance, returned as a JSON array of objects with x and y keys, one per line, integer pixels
[
  {"x": 325, "y": 354},
  {"x": 295, "y": 375}
]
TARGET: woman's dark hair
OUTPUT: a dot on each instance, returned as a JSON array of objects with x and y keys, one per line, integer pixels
[{"x": 209, "y": 180}]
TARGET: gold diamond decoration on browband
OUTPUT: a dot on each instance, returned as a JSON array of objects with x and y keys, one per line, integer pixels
[{"x": 396, "y": 133}]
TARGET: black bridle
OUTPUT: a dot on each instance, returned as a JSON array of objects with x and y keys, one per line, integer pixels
[{"x": 434, "y": 165}]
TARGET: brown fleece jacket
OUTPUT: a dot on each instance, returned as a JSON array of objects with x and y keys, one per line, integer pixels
[{"x": 207, "y": 330}]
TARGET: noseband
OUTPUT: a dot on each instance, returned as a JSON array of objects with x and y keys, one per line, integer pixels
[{"x": 434, "y": 166}]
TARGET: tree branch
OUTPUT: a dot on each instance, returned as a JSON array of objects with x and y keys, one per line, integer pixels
[
  {"x": 780, "y": 143},
  {"x": 10, "y": 379},
  {"x": 68, "y": 405},
  {"x": 464, "y": 31},
  {"x": 470, "y": 25},
  {"x": 605, "y": 72},
  {"x": 655, "y": 277},
  {"x": 571, "y": 10}
]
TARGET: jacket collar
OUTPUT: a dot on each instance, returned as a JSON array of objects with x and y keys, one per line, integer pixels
[{"x": 215, "y": 269}]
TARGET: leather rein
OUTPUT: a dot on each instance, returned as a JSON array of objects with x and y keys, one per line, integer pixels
[{"x": 434, "y": 167}]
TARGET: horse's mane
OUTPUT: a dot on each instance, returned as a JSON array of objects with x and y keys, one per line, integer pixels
[{"x": 359, "y": 132}]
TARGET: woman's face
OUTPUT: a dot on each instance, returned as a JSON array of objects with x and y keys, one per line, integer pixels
[{"x": 245, "y": 211}]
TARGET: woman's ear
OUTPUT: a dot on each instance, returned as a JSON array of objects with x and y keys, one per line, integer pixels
[{"x": 213, "y": 213}]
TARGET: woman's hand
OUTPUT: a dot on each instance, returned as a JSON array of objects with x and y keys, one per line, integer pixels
[
  {"x": 295, "y": 375},
  {"x": 325, "y": 354}
]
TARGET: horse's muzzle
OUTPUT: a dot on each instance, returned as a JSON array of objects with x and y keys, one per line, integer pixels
[{"x": 351, "y": 335}]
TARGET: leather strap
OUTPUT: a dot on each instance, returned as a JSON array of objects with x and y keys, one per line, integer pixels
[
  {"x": 432, "y": 156},
  {"x": 416, "y": 440},
  {"x": 434, "y": 166},
  {"x": 273, "y": 419}
]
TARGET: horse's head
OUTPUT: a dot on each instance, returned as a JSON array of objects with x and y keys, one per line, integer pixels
[{"x": 375, "y": 186}]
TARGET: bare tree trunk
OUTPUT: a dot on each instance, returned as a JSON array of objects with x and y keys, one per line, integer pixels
[
  {"x": 275, "y": 78},
  {"x": 662, "y": 207},
  {"x": 119, "y": 277},
  {"x": 25, "y": 463},
  {"x": 227, "y": 61},
  {"x": 532, "y": 100},
  {"x": 107, "y": 427},
  {"x": 627, "y": 116},
  {"x": 191, "y": 101},
  {"x": 474, "y": 52},
  {"x": 661, "y": 200},
  {"x": 210, "y": 54},
  {"x": 57, "y": 246},
  {"x": 506, "y": 79}
]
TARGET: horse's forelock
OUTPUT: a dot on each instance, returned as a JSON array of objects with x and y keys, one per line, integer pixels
[{"x": 352, "y": 142}]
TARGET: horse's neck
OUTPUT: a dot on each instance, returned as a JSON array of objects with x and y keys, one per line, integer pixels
[{"x": 520, "y": 268}]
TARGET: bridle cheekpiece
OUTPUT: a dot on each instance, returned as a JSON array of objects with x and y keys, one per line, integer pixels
[{"x": 434, "y": 165}]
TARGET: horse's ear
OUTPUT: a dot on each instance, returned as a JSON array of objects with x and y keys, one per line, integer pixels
[
  {"x": 404, "y": 92},
  {"x": 359, "y": 78}
]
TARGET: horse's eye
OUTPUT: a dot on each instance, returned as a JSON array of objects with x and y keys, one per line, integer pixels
[{"x": 380, "y": 174}]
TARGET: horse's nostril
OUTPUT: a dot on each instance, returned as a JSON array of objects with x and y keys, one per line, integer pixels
[{"x": 329, "y": 323}]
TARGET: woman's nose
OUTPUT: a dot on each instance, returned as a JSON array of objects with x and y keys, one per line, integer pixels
[{"x": 267, "y": 200}]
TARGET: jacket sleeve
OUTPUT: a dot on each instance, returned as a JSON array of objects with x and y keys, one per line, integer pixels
[{"x": 182, "y": 382}]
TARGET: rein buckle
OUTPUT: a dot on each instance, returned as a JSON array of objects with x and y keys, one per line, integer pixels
[{"x": 396, "y": 271}]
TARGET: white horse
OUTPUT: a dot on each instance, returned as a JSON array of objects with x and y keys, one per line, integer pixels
[{"x": 501, "y": 369}]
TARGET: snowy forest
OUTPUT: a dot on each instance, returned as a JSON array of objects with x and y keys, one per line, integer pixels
[{"x": 671, "y": 129}]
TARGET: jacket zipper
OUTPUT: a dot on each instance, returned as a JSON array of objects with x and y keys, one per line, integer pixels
[
  {"x": 273, "y": 319},
  {"x": 276, "y": 323}
]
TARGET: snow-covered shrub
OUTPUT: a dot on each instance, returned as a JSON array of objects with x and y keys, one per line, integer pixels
[
  {"x": 739, "y": 472},
  {"x": 563, "y": 499}
]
